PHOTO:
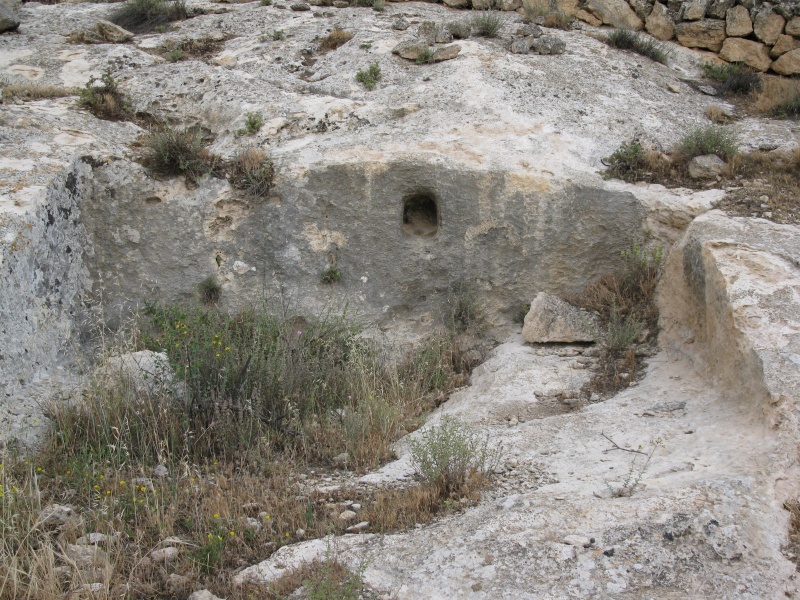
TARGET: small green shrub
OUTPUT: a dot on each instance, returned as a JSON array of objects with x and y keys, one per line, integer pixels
[
  {"x": 106, "y": 100},
  {"x": 426, "y": 56},
  {"x": 252, "y": 124},
  {"x": 733, "y": 79},
  {"x": 209, "y": 290},
  {"x": 266, "y": 2},
  {"x": 173, "y": 151},
  {"x": 378, "y": 5},
  {"x": 461, "y": 30},
  {"x": 278, "y": 35},
  {"x": 621, "y": 331},
  {"x": 175, "y": 55},
  {"x": 708, "y": 140},
  {"x": 141, "y": 16},
  {"x": 625, "y": 39},
  {"x": 369, "y": 78},
  {"x": 488, "y": 24},
  {"x": 628, "y": 162},
  {"x": 252, "y": 171},
  {"x": 449, "y": 455},
  {"x": 462, "y": 311},
  {"x": 331, "y": 275}
]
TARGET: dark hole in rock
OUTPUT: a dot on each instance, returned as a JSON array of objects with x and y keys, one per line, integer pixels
[{"x": 420, "y": 214}]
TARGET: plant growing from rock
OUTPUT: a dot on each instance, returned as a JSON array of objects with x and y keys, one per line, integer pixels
[
  {"x": 627, "y": 162},
  {"x": 733, "y": 79},
  {"x": 252, "y": 124},
  {"x": 34, "y": 91},
  {"x": 278, "y": 35},
  {"x": 625, "y": 39},
  {"x": 462, "y": 310},
  {"x": 706, "y": 140},
  {"x": 450, "y": 454},
  {"x": 141, "y": 16},
  {"x": 104, "y": 99},
  {"x": 336, "y": 38},
  {"x": 370, "y": 77},
  {"x": 331, "y": 275},
  {"x": 252, "y": 171},
  {"x": 174, "y": 151},
  {"x": 209, "y": 290},
  {"x": 488, "y": 24},
  {"x": 176, "y": 55},
  {"x": 425, "y": 57},
  {"x": 636, "y": 470}
]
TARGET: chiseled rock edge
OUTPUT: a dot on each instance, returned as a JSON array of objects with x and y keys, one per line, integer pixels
[{"x": 731, "y": 297}]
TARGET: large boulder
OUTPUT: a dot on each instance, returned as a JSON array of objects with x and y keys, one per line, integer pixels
[
  {"x": 616, "y": 13},
  {"x": 548, "y": 44},
  {"x": 551, "y": 319},
  {"x": 753, "y": 54},
  {"x": 659, "y": 24},
  {"x": 9, "y": 20},
  {"x": 768, "y": 25},
  {"x": 738, "y": 22},
  {"x": 706, "y": 33},
  {"x": 788, "y": 64}
]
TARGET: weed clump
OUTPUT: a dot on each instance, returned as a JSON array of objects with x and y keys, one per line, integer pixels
[
  {"x": 707, "y": 140},
  {"x": 209, "y": 290},
  {"x": 141, "y": 16},
  {"x": 488, "y": 24},
  {"x": 252, "y": 171},
  {"x": 173, "y": 151},
  {"x": 627, "y": 162},
  {"x": 733, "y": 79},
  {"x": 252, "y": 124},
  {"x": 450, "y": 455},
  {"x": 625, "y": 39},
  {"x": 778, "y": 98},
  {"x": 331, "y": 275},
  {"x": 462, "y": 310},
  {"x": 425, "y": 57},
  {"x": 104, "y": 99},
  {"x": 370, "y": 78},
  {"x": 175, "y": 55},
  {"x": 335, "y": 39}
]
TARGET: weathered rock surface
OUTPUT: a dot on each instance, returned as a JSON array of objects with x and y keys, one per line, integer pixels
[
  {"x": 738, "y": 22},
  {"x": 749, "y": 52},
  {"x": 788, "y": 63},
  {"x": 616, "y": 13},
  {"x": 768, "y": 25},
  {"x": 144, "y": 372},
  {"x": 707, "y": 33},
  {"x": 548, "y": 44},
  {"x": 659, "y": 24},
  {"x": 551, "y": 319},
  {"x": 784, "y": 44},
  {"x": 9, "y": 20},
  {"x": 793, "y": 26},
  {"x": 707, "y": 166}
]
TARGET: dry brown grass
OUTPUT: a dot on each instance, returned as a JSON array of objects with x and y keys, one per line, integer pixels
[
  {"x": 33, "y": 91},
  {"x": 251, "y": 171},
  {"x": 779, "y": 97},
  {"x": 335, "y": 39},
  {"x": 717, "y": 114},
  {"x": 625, "y": 302}
]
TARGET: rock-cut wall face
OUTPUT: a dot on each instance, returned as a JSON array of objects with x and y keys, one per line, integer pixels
[
  {"x": 43, "y": 278},
  {"x": 399, "y": 233}
]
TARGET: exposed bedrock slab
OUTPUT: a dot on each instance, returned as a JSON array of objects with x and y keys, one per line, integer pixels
[
  {"x": 400, "y": 231},
  {"x": 731, "y": 298}
]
